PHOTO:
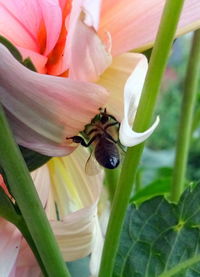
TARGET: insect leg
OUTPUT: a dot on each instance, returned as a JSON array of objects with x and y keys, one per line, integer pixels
[
  {"x": 91, "y": 131},
  {"x": 111, "y": 124},
  {"x": 79, "y": 139}
]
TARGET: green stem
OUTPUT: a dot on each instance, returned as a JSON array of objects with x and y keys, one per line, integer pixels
[
  {"x": 142, "y": 121},
  {"x": 25, "y": 194},
  {"x": 111, "y": 179},
  {"x": 196, "y": 120},
  {"x": 186, "y": 119}
]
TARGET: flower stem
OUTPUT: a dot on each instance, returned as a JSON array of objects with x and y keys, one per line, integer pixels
[
  {"x": 142, "y": 121},
  {"x": 186, "y": 119},
  {"x": 25, "y": 194},
  {"x": 111, "y": 180}
]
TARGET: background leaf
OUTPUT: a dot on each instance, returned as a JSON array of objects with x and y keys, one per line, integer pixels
[{"x": 160, "y": 239}]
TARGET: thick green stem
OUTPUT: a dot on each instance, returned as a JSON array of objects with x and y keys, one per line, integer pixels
[
  {"x": 151, "y": 88},
  {"x": 186, "y": 119},
  {"x": 111, "y": 180},
  {"x": 24, "y": 192}
]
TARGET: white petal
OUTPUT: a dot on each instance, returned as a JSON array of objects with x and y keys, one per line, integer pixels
[
  {"x": 130, "y": 138},
  {"x": 132, "y": 93}
]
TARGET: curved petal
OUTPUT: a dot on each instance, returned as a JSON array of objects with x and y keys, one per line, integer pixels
[
  {"x": 76, "y": 196},
  {"x": 114, "y": 80},
  {"x": 51, "y": 10},
  {"x": 132, "y": 93},
  {"x": 130, "y": 138},
  {"x": 22, "y": 20},
  {"x": 133, "y": 25},
  {"x": 84, "y": 55},
  {"x": 10, "y": 241},
  {"x": 38, "y": 60},
  {"x": 76, "y": 232},
  {"x": 92, "y": 12},
  {"x": 53, "y": 107}
]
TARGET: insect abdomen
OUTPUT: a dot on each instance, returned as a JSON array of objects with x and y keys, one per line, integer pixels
[{"x": 107, "y": 154}]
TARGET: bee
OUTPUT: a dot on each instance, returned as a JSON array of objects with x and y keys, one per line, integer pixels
[{"x": 102, "y": 134}]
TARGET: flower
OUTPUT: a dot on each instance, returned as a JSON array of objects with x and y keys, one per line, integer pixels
[{"x": 45, "y": 109}]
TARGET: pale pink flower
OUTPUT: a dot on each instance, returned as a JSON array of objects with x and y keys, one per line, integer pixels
[
  {"x": 62, "y": 38},
  {"x": 72, "y": 44}
]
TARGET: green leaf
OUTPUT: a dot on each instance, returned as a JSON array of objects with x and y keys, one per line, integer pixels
[
  {"x": 29, "y": 64},
  {"x": 157, "y": 187},
  {"x": 160, "y": 239},
  {"x": 13, "y": 50}
]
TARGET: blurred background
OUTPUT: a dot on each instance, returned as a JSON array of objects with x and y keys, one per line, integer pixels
[{"x": 157, "y": 162}]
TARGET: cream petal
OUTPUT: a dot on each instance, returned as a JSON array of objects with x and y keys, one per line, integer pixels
[
  {"x": 114, "y": 80},
  {"x": 53, "y": 107},
  {"x": 125, "y": 79},
  {"x": 75, "y": 233},
  {"x": 42, "y": 183},
  {"x": 10, "y": 241},
  {"x": 70, "y": 183},
  {"x": 133, "y": 25},
  {"x": 76, "y": 196}
]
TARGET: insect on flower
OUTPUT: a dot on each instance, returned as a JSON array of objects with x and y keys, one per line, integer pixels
[{"x": 102, "y": 134}]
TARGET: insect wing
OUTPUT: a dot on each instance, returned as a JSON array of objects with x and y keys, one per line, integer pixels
[{"x": 92, "y": 167}]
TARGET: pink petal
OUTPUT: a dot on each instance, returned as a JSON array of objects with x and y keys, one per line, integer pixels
[
  {"x": 52, "y": 16},
  {"x": 84, "y": 55},
  {"x": 22, "y": 20},
  {"x": 133, "y": 24},
  {"x": 53, "y": 107},
  {"x": 62, "y": 3},
  {"x": 38, "y": 60},
  {"x": 26, "y": 264},
  {"x": 10, "y": 241}
]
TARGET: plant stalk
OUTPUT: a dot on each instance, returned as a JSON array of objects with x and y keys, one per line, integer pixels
[
  {"x": 25, "y": 194},
  {"x": 142, "y": 121},
  {"x": 186, "y": 119}
]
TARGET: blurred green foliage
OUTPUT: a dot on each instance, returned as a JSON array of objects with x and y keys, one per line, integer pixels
[
  {"x": 157, "y": 163},
  {"x": 169, "y": 106}
]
